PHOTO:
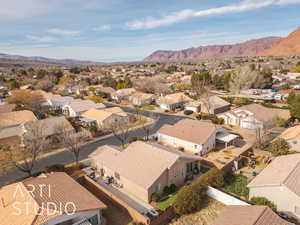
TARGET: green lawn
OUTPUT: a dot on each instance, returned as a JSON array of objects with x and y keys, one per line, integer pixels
[
  {"x": 236, "y": 184},
  {"x": 162, "y": 205}
]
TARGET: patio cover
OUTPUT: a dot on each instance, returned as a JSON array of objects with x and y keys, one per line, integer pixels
[
  {"x": 87, "y": 120},
  {"x": 226, "y": 137}
]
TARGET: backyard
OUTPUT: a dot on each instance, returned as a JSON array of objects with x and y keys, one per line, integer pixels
[
  {"x": 236, "y": 184},
  {"x": 165, "y": 203}
]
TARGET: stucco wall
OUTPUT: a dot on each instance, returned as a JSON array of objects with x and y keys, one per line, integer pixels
[{"x": 285, "y": 199}]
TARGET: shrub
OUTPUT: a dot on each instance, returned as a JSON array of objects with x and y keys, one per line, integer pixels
[
  {"x": 132, "y": 139},
  {"x": 214, "y": 177},
  {"x": 279, "y": 147},
  {"x": 154, "y": 197},
  {"x": 173, "y": 188},
  {"x": 236, "y": 184},
  {"x": 56, "y": 168},
  {"x": 263, "y": 201},
  {"x": 189, "y": 198},
  {"x": 167, "y": 190}
]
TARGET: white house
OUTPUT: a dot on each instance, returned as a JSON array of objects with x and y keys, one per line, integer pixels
[
  {"x": 253, "y": 116},
  {"x": 78, "y": 107},
  {"x": 194, "y": 136},
  {"x": 173, "y": 101}
]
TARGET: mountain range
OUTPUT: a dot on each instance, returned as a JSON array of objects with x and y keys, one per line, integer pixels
[{"x": 268, "y": 46}]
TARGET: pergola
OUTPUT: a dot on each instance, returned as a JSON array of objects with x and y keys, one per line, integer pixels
[{"x": 226, "y": 138}]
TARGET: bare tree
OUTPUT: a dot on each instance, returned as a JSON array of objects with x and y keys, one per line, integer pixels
[
  {"x": 34, "y": 144},
  {"x": 72, "y": 141},
  {"x": 148, "y": 128},
  {"x": 121, "y": 131}
]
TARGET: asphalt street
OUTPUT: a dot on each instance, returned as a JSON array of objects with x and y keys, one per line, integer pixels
[{"x": 66, "y": 157}]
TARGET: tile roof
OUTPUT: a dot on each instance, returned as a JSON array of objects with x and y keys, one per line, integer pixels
[
  {"x": 248, "y": 215},
  {"x": 49, "y": 126},
  {"x": 63, "y": 190},
  {"x": 84, "y": 105},
  {"x": 141, "y": 162},
  {"x": 284, "y": 170},
  {"x": 263, "y": 113},
  {"x": 16, "y": 118},
  {"x": 174, "y": 98},
  {"x": 291, "y": 133},
  {"x": 190, "y": 130},
  {"x": 102, "y": 114}
]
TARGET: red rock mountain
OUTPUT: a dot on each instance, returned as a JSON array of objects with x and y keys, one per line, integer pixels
[
  {"x": 248, "y": 48},
  {"x": 287, "y": 46}
]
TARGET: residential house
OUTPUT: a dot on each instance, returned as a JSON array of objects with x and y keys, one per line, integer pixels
[
  {"x": 49, "y": 127},
  {"x": 248, "y": 215},
  {"x": 78, "y": 107},
  {"x": 105, "y": 117},
  {"x": 49, "y": 199},
  {"x": 280, "y": 183},
  {"x": 141, "y": 98},
  {"x": 123, "y": 94},
  {"x": 16, "y": 118},
  {"x": 212, "y": 105},
  {"x": 195, "y": 136},
  {"x": 106, "y": 91},
  {"x": 144, "y": 168},
  {"x": 292, "y": 136},
  {"x": 293, "y": 76},
  {"x": 173, "y": 101},
  {"x": 58, "y": 102},
  {"x": 253, "y": 116}
]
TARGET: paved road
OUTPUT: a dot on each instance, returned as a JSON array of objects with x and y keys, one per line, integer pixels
[{"x": 67, "y": 157}]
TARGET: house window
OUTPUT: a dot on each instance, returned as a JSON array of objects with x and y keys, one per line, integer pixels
[
  {"x": 94, "y": 220},
  {"x": 189, "y": 167},
  {"x": 195, "y": 146},
  {"x": 117, "y": 175},
  {"x": 158, "y": 188}
]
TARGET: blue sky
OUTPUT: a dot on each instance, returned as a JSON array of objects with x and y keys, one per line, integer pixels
[{"x": 127, "y": 30}]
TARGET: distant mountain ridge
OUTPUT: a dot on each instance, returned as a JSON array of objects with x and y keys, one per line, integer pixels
[
  {"x": 287, "y": 46},
  {"x": 41, "y": 59},
  {"x": 248, "y": 48}
]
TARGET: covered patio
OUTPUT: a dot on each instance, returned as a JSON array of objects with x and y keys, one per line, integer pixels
[{"x": 226, "y": 138}]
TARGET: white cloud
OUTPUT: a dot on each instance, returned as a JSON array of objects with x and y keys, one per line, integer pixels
[
  {"x": 16, "y": 9},
  {"x": 176, "y": 17},
  {"x": 103, "y": 28},
  {"x": 63, "y": 32},
  {"x": 41, "y": 39}
]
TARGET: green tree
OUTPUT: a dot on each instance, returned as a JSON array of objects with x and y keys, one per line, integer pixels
[
  {"x": 263, "y": 201},
  {"x": 110, "y": 82},
  {"x": 279, "y": 147},
  {"x": 294, "y": 105}
]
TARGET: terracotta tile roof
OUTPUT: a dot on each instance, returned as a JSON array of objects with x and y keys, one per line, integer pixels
[
  {"x": 284, "y": 170},
  {"x": 16, "y": 118},
  {"x": 189, "y": 130},
  {"x": 63, "y": 189},
  {"x": 141, "y": 163},
  {"x": 248, "y": 215}
]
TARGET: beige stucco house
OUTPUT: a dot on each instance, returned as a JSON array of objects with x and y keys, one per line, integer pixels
[
  {"x": 280, "y": 183},
  {"x": 49, "y": 199},
  {"x": 173, "y": 101},
  {"x": 144, "y": 168},
  {"x": 140, "y": 98},
  {"x": 253, "y": 116},
  {"x": 105, "y": 117},
  {"x": 194, "y": 136}
]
